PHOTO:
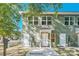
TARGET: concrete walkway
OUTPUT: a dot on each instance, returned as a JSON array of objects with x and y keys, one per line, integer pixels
[{"x": 42, "y": 52}]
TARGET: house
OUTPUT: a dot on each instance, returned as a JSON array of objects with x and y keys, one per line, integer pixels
[{"x": 63, "y": 31}]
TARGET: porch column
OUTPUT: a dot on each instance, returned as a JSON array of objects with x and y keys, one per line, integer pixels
[
  {"x": 50, "y": 39},
  {"x": 78, "y": 39},
  {"x": 41, "y": 39}
]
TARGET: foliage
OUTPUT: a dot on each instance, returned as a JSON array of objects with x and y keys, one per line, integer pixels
[{"x": 9, "y": 18}]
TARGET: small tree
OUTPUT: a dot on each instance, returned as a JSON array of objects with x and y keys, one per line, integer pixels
[{"x": 9, "y": 16}]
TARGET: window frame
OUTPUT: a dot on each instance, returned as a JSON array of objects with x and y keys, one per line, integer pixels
[
  {"x": 42, "y": 20},
  {"x": 30, "y": 20},
  {"x": 36, "y": 20},
  {"x": 69, "y": 21},
  {"x": 46, "y": 20},
  {"x": 49, "y": 20},
  {"x": 77, "y": 20}
]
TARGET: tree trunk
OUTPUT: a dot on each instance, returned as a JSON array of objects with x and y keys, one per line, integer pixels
[{"x": 5, "y": 42}]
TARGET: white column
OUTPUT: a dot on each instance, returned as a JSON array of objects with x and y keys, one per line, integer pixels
[
  {"x": 78, "y": 39},
  {"x": 27, "y": 23},
  {"x": 33, "y": 19},
  {"x": 50, "y": 39},
  {"x": 40, "y": 21},
  {"x": 46, "y": 20},
  {"x": 74, "y": 20},
  {"x": 41, "y": 39}
]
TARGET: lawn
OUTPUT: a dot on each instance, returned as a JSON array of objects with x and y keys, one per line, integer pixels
[
  {"x": 68, "y": 51},
  {"x": 14, "y": 51}
]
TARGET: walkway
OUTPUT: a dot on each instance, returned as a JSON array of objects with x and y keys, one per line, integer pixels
[{"x": 42, "y": 52}]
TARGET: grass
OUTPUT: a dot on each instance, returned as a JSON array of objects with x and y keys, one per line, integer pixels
[
  {"x": 15, "y": 50},
  {"x": 67, "y": 51}
]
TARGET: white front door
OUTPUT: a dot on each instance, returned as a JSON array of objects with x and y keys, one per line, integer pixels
[
  {"x": 63, "y": 39},
  {"x": 44, "y": 36}
]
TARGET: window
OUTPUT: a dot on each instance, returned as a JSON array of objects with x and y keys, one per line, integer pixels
[
  {"x": 66, "y": 20},
  {"x": 49, "y": 18},
  {"x": 78, "y": 20},
  {"x": 30, "y": 19},
  {"x": 69, "y": 20},
  {"x": 44, "y": 20},
  {"x": 35, "y": 20}
]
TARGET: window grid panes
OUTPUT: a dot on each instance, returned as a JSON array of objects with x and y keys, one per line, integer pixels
[
  {"x": 44, "y": 20},
  {"x": 35, "y": 20},
  {"x": 66, "y": 20},
  {"x": 49, "y": 20},
  {"x": 30, "y": 19},
  {"x": 78, "y": 20},
  {"x": 69, "y": 20}
]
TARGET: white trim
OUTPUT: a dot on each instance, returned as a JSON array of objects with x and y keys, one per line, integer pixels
[
  {"x": 45, "y": 30},
  {"x": 33, "y": 19},
  {"x": 46, "y": 20},
  {"x": 62, "y": 13},
  {"x": 40, "y": 20},
  {"x": 74, "y": 20}
]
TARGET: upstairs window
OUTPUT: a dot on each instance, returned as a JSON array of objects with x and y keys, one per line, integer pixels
[
  {"x": 35, "y": 20},
  {"x": 78, "y": 20},
  {"x": 49, "y": 20},
  {"x": 44, "y": 20},
  {"x": 30, "y": 19},
  {"x": 69, "y": 20},
  {"x": 66, "y": 20}
]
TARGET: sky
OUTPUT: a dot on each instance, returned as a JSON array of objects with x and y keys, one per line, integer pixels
[
  {"x": 69, "y": 7},
  {"x": 66, "y": 7}
]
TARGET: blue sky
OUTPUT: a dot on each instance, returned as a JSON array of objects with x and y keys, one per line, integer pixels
[
  {"x": 66, "y": 7},
  {"x": 69, "y": 7}
]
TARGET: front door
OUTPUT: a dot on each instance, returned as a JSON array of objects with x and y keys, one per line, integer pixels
[
  {"x": 44, "y": 37},
  {"x": 53, "y": 39}
]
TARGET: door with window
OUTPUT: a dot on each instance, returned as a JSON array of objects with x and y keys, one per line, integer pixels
[{"x": 53, "y": 38}]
